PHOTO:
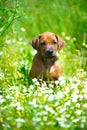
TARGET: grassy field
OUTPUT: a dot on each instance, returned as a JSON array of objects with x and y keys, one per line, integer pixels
[{"x": 38, "y": 106}]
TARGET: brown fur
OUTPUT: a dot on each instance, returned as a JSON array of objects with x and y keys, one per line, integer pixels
[{"x": 45, "y": 63}]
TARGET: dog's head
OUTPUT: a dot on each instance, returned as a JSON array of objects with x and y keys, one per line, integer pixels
[{"x": 47, "y": 44}]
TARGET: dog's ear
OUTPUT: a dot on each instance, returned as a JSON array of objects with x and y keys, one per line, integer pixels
[
  {"x": 35, "y": 42},
  {"x": 61, "y": 43}
]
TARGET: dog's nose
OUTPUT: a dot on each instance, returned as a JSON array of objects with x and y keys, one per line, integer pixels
[{"x": 50, "y": 51}]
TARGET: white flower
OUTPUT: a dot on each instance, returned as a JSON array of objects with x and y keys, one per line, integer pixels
[
  {"x": 1, "y": 74},
  {"x": 75, "y": 120},
  {"x": 59, "y": 95},
  {"x": 16, "y": 63},
  {"x": 34, "y": 80},
  {"x": 74, "y": 97},
  {"x": 37, "y": 83},
  {"x": 56, "y": 82},
  {"x": 21, "y": 49},
  {"x": 9, "y": 97},
  {"x": 78, "y": 105},
  {"x": 13, "y": 40},
  {"x": 76, "y": 91},
  {"x": 22, "y": 62},
  {"x": 85, "y": 105},
  {"x": 78, "y": 81},
  {"x": 44, "y": 85},
  {"x": 20, "y": 38},
  {"x": 51, "y": 86},
  {"x": 8, "y": 41},
  {"x": 1, "y": 99},
  {"x": 82, "y": 125},
  {"x": 31, "y": 87},
  {"x": 67, "y": 89},
  {"x": 78, "y": 112},
  {"x": 81, "y": 97},
  {"x": 74, "y": 38},
  {"x": 23, "y": 29},
  {"x": 85, "y": 84},
  {"x": 49, "y": 109},
  {"x": 1, "y": 53},
  {"x": 20, "y": 108},
  {"x": 19, "y": 120},
  {"x": 17, "y": 105},
  {"x": 33, "y": 103},
  {"x": 73, "y": 85},
  {"x": 71, "y": 79},
  {"x": 67, "y": 38},
  {"x": 62, "y": 121},
  {"x": 50, "y": 91},
  {"x": 62, "y": 110},
  {"x": 43, "y": 89},
  {"x": 83, "y": 44},
  {"x": 63, "y": 125},
  {"x": 61, "y": 80},
  {"x": 33, "y": 52},
  {"x": 39, "y": 94},
  {"x": 35, "y": 120},
  {"x": 68, "y": 103},
  {"x": 83, "y": 118},
  {"x": 85, "y": 95},
  {"x": 51, "y": 98},
  {"x": 1, "y": 96},
  {"x": 24, "y": 43}
]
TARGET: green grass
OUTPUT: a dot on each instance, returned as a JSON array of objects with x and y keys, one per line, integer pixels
[
  {"x": 38, "y": 106},
  {"x": 41, "y": 107}
]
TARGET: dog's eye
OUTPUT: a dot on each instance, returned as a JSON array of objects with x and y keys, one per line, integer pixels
[
  {"x": 54, "y": 43},
  {"x": 43, "y": 44}
]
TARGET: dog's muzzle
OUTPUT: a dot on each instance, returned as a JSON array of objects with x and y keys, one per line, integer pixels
[{"x": 49, "y": 53}]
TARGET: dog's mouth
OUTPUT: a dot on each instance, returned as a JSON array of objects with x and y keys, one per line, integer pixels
[
  {"x": 46, "y": 56},
  {"x": 49, "y": 53}
]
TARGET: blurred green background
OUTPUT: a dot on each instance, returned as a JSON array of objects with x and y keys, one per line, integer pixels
[{"x": 21, "y": 20}]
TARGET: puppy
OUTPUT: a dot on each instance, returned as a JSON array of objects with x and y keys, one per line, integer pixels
[{"x": 45, "y": 63}]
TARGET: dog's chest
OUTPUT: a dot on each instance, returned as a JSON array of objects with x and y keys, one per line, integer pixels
[{"x": 51, "y": 71}]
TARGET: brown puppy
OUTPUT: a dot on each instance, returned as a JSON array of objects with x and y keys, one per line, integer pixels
[{"x": 45, "y": 63}]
